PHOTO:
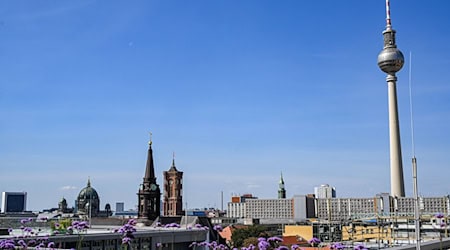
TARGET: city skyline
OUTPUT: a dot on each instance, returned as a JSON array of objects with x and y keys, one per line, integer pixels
[{"x": 240, "y": 91}]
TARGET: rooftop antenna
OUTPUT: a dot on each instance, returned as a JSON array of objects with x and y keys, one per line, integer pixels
[{"x": 414, "y": 164}]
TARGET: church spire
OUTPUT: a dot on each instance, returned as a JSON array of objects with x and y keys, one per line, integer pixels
[
  {"x": 281, "y": 190},
  {"x": 281, "y": 180},
  {"x": 173, "y": 168},
  {"x": 149, "y": 194},
  {"x": 149, "y": 168}
]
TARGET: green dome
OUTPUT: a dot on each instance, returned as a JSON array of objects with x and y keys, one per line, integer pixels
[{"x": 88, "y": 193}]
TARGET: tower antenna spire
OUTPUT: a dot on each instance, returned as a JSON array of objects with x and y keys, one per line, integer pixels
[{"x": 388, "y": 15}]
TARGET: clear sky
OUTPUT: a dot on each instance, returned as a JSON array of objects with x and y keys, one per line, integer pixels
[{"x": 240, "y": 91}]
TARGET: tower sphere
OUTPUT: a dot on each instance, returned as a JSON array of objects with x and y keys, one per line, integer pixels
[{"x": 390, "y": 60}]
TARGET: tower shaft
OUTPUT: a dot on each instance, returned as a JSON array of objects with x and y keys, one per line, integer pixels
[{"x": 397, "y": 181}]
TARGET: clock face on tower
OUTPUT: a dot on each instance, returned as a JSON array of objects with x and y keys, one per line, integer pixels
[{"x": 153, "y": 187}]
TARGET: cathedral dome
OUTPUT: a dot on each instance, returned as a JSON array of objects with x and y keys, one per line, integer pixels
[
  {"x": 88, "y": 201},
  {"x": 88, "y": 193}
]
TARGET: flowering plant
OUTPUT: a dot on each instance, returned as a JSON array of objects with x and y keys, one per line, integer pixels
[
  {"x": 314, "y": 242},
  {"x": 127, "y": 231},
  {"x": 29, "y": 238}
]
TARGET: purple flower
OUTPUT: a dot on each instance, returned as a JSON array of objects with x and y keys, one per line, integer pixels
[
  {"x": 275, "y": 239},
  {"x": 295, "y": 246},
  {"x": 80, "y": 225},
  {"x": 7, "y": 244},
  {"x": 126, "y": 240},
  {"x": 22, "y": 243},
  {"x": 204, "y": 243},
  {"x": 314, "y": 241},
  {"x": 263, "y": 244},
  {"x": 360, "y": 247},
  {"x": 198, "y": 226},
  {"x": 222, "y": 246},
  {"x": 24, "y": 221},
  {"x": 173, "y": 225},
  {"x": 439, "y": 215},
  {"x": 132, "y": 222},
  {"x": 218, "y": 228},
  {"x": 337, "y": 246},
  {"x": 51, "y": 244},
  {"x": 283, "y": 248}
]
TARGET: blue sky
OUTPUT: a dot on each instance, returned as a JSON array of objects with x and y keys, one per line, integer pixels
[{"x": 239, "y": 90}]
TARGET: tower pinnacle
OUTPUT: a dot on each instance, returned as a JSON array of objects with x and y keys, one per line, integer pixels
[{"x": 281, "y": 189}]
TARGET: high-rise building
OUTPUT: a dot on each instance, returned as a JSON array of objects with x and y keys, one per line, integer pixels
[
  {"x": 120, "y": 207},
  {"x": 173, "y": 193},
  {"x": 14, "y": 202},
  {"x": 149, "y": 194},
  {"x": 325, "y": 191}
]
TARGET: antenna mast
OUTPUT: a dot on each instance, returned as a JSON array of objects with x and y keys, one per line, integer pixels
[
  {"x": 388, "y": 15},
  {"x": 414, "y": 165}
]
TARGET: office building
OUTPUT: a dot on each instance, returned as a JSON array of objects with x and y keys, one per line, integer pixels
[
  {"x": 325, "y": 191},
  {"x": 14, "y": 202},
  {"x": 120, "y": 207}
]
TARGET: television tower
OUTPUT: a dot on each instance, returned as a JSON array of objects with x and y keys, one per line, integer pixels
[{"x": 390, "y": 61}]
